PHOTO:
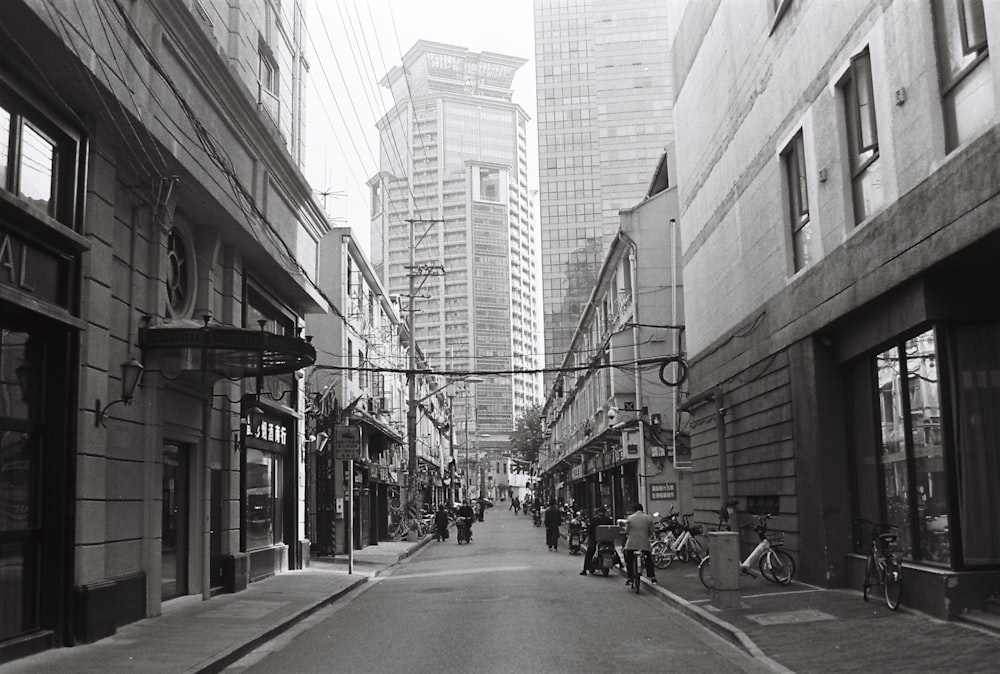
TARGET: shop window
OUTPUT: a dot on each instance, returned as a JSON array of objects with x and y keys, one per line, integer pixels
[
  {"x": 862, "y": 138},
  {"x": 901, "y": 476},
  {"x": 263, "y": 502},
  {"x": 963, "y": 65}
]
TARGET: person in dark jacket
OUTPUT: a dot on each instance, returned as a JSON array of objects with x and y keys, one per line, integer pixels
[
  {"x": 441, "y": 523},
  {"x": 597, "y": 520},
  {"x": 553, "y": 518}
]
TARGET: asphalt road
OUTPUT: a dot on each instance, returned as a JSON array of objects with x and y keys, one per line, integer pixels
[{"x": 504, "y": 603}]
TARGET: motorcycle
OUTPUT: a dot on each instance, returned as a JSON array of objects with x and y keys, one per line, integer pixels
[
  {"x": 464, "y": 529},
  {"x": 606, "y": 556}
]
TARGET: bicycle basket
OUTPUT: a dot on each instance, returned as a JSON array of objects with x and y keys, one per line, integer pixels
[
  {"x": 776, "y": 538},
  {"x": 696, "y": 529}
]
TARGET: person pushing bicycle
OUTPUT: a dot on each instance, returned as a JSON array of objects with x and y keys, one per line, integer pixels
[{"x": 638, "y": 528}]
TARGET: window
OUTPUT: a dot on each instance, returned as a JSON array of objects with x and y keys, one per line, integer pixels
[
  {"x": 862, "y": 138},
  {"x": 376, "y": 194},
  {"x": 963, "y": 67},
  {"x": 489, "y": 184},
  {"x": 267, "y": 81},
  {"x": 263, "y": 498},
  {"x": 180, "y": 278},
  {"x": 805, "y": 241},
  {"x": 902, "y": 478},
  {"x": 37, "y": 158}
]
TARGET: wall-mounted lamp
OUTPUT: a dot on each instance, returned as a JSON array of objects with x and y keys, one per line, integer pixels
[{"x": 131, "y": 373}]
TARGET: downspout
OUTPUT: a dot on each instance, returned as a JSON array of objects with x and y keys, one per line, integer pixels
[
  {"x": 710, "y": 396},
  {"x": 637, "y": 373}
]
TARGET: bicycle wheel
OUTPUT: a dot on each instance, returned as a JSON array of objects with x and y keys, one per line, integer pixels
[
  {"x": 789, "y": 561},
  {"x": 696, "y": 551},
  {"x": 705, "y": 572},
  {"x": 893, "y": 582},
  {"x": 869, "y": 576},
  {"x": 662, "y": 555},
  {"x": 774, "y": 568}
]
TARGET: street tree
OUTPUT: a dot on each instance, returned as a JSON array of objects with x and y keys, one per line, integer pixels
[{"x": 527, "y": 437}]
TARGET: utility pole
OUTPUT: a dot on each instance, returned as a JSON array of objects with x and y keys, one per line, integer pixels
[{"x": 411, "y": 370}]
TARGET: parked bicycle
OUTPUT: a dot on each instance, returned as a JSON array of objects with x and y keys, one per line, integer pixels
[
  {"x": 882, "y": 568},
  {"x": 774, "y": 564},
  {"x": 682, "y": 545}
]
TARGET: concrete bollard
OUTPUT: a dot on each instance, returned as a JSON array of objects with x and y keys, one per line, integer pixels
[{"x": 724, "y": 548}]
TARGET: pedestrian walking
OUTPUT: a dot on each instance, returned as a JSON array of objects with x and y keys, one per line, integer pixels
[{"x": 553, "y": 518}]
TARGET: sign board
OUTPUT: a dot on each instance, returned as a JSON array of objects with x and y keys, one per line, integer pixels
[
  {"x": 663, "y": 492},
  {"x": 347, "y": 443}
]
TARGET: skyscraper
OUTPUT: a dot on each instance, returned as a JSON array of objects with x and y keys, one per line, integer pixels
[
  {"x": 604, "y": 119},
  {"x": 453, "y": 181}
]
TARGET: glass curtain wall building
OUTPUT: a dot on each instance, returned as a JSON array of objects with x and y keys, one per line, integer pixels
[
  {"x": 453, "y": 162},
  {"x": 605, "y": 102}
]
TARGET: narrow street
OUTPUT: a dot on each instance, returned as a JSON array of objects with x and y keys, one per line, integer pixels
[{"x": 505, "y": 603}]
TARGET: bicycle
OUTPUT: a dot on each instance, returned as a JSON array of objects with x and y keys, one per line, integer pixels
[
  {"x": 684, "y": 546},
  {"x": 774, "y": 564},
  {"x": 634, "y": 567},
  {"x": 881, "y": 566}
]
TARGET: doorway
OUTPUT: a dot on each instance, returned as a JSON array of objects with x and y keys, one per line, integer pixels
[{"x": 174, "y": 565}]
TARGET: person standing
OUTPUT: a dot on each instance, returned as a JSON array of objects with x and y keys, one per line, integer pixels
[
  {"x": 638, "y": 529},
  {"x": 441, "y": 523},
  {"x": 597, "y": 520},
  {"x": 553, "y": 519}
]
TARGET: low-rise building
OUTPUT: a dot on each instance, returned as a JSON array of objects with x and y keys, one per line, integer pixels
[{"x": 610, "y": 434}]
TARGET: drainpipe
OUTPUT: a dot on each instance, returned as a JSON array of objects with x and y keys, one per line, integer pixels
[
  {"x": 641, "y": 482},
  {"x": 710, "y": 396}
]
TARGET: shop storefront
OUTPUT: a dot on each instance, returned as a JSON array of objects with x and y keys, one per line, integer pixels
[{"x": 40, "y": 262}]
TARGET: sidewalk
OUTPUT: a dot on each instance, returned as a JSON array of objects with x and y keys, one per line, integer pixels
[
  {"x": 238, "y": 623},
  {"x": 803, "y": 628},
  {"x": 797, "y": 628}
]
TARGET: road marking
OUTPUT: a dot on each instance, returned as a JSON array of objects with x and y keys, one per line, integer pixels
[
  {"x": 458, "y": 572},
  {"x": 780, "y": 594}
]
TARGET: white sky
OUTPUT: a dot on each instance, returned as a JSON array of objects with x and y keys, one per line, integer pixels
[{"x": 352, "y": 44}]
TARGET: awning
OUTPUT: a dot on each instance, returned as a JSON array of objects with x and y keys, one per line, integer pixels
[
  {"x": 377, "y": 425},
  {"x": 177, "y": 347}
]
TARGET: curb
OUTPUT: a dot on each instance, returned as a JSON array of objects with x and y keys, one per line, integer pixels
[
  {"x": 731, "y": 633},
  {"x": 220, "y": 662}
]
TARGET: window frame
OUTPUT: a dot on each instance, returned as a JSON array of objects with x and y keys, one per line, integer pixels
[
  {"x": 67, "y": 192},
  {"x": 797, "y": 183}
]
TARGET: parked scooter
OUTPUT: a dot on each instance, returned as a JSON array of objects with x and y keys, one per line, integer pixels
[{"x": 606, "y": 556}]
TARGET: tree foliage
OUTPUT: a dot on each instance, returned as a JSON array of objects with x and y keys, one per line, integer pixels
[{"x": 527, "y": 437}]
